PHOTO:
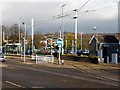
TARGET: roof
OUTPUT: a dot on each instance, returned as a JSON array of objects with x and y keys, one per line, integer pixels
[
  {"x": 106, "y": 39},
  {"x": 94, "y": 37},
  {"x": 118, "y": 36}
]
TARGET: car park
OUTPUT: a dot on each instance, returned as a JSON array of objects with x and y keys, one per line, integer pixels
[{"x": 2, "y": 57}]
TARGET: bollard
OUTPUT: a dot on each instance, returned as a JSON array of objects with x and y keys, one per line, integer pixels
[
  {"x": 62, "y": 62},
  {"x": 36, "y": 58}
]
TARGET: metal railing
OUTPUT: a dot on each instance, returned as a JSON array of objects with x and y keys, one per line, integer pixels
[{"x": 44, "y": 58}]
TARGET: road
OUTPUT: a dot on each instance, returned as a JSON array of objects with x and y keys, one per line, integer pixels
[{"x": 16, "y": 74}]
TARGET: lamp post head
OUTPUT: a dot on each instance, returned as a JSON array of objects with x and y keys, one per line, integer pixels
[
  {"x": 82, "y": 32},
  {"x": 19, "y": 17},
  {"x": 23, "y": 23},
  {"x": 95, "y": 28},
  {"x": 63, "y": 5},
  {"x": 75, "y": 10}
]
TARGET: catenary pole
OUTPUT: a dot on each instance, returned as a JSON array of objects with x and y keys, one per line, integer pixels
[
  {"x": 62, "y": 29},
  {"x": 32, "y": 36},
  {"x": 76, "y": 27}
]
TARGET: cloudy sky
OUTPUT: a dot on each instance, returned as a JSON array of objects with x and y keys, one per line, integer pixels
[{"x": 102, "y": 14}]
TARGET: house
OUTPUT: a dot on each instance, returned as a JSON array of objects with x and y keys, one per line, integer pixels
[{"x": 106, "y": 47}]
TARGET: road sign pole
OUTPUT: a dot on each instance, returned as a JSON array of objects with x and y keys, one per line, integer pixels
[
  {"x": 51, "y": 47},
  {"x": 59, "y": 43},
  {"x": 24, "y": 50},
  {"x": 59, "y": 55}
]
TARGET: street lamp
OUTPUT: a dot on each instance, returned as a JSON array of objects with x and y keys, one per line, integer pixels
[
  {"x": 75, "y": 42},
  {"x": 62, "y": 29},
  {"x": 24, "y": 23},
  {"x": 19, "y": 27},
  {"x": 19, "y": 30},
  {"x": 95, "y": 28},
  {"x": 1, "y": 38}
]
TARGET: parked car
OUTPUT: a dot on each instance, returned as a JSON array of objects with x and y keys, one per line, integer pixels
[
  {"x": 71, "y": 52},
  {"x": 82, "y": 52},
  {"x": 2, "y": 57}
]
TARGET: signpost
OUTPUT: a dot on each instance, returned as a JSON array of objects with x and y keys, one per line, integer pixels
[
  {"x": 24, "y": 49},
  {"x": 59, "y": 43}
]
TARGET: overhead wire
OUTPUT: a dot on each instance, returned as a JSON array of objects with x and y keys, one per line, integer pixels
[
  {"x": 70, "y": 13},
  {"x": 83, "y": 5}
]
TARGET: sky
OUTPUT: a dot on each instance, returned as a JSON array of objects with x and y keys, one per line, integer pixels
[{"x": 45, "y": 13}]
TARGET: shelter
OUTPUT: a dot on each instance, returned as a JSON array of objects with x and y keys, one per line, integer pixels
[{"x": 106, "y": 47}]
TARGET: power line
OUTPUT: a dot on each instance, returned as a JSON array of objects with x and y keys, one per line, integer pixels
[
  {"x": 66, "y": 13},
  {"x": 70, "y": 14},
  {"x": 83, "y": 5},
  {"x": 94, "y": 10}
]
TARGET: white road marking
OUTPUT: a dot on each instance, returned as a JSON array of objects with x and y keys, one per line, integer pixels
[
  {"x": 38, "y": 87},
  {"x": 14, "y": 84}
]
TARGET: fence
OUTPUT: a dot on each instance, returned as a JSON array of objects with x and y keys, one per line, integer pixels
[{"x": 44, "y": 58}]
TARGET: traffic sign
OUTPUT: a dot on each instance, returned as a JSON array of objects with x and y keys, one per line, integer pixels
[{"x": 59, "y": 41}]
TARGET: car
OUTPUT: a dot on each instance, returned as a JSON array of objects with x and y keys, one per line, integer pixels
[
  {"x": 82, "y": 52},
  {"x": 71, "y": 52},
  {"x": 2, "y": 57}
]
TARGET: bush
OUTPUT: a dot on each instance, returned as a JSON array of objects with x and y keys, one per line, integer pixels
[
  {"x": 94, "y": 59},
  {"x": 40, "y": 53}
]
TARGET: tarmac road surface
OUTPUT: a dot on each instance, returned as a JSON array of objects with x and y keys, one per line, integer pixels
[{"x": 16, "y": 74}]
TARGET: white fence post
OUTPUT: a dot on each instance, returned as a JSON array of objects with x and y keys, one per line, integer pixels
[{"x": 36, "y": 58}]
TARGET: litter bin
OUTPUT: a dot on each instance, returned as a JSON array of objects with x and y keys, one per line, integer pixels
[{"x": 114, "y": 58}]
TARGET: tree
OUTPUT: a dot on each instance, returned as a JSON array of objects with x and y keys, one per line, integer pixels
[
  {"x": 14, "y": 33},
  {"x": 37, "y": 41},
  {"x": 69, "y": 37}
]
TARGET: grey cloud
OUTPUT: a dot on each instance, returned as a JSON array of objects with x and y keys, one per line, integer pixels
[{"x": 41, "y": 11}]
